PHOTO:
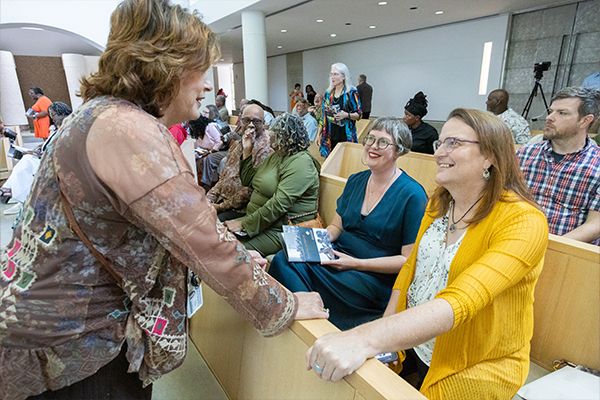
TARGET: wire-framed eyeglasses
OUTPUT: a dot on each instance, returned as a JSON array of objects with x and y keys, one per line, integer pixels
[
  {"x": 450, "y": 143},
  {"x": 382, "y": 143}
]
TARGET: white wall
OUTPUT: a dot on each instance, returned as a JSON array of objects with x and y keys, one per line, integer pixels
[
  {"x": 12, "y": 108},
  {"x": 444, "y": 62},
  {"x": 277, "y": 73}
]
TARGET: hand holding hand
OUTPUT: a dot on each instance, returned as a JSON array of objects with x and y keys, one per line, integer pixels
[
  {"x": 234, "y": 226},
  {"x": 336, "y": 355},
  {"x": 310, "y": 306},
  {"x": 343, "y": 262}
]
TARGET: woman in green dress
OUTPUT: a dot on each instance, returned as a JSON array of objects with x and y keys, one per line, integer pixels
[{"x": 285, "y": 185}]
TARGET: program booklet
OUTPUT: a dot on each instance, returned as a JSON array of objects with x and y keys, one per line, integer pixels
[{"x": 306, "y": 244}]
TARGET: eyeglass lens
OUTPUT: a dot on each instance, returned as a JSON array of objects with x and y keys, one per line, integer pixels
[{"x": 255, "y": 121}]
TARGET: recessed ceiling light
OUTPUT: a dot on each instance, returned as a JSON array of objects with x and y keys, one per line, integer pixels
[
  {"x": 382, "y": 3},
  {"x": 333, "y": 35},
  {"x": 348, "y": 23},
  {"x": 439, "y": 12},
  {"x": 319, "y": 20},
  {"x": 372, "y": 27},
  {"x": 280, "y": 47},
  {"x": 413, "y": 8},
  {"x": 284, "y": 30},
  {"x": 32, "y": 28}
]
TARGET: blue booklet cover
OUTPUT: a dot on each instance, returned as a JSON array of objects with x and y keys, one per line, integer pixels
[{"x": 306, "y": 244}]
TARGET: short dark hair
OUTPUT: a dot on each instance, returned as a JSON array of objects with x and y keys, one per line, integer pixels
[
  {"x": 589, "y": 100},
  {"x": 302, "y": 100},
  {"x": 363, "y": 77},
  {"x": 297, "y": 85},
  {"x": 36, "y": 90}
]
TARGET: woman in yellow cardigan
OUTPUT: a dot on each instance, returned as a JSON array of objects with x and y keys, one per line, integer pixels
[{"x": 462, "y": 306}]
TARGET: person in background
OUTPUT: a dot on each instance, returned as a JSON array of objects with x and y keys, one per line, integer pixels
[
  {"x": 593, "y": 81},
  {"x": 284, "y": 186},
  {"x": 207, "y": 132},
  {"x": 341, "y": 110},
  {"x": 423, "y": 134},
  {"x": 295, "y": 95},
  {"x": 310, "y": 95},
  {"x": 317, "y": 112},
  {"x": 229, "y": 197},
  {"x": 220, "y": 103},
  {"x": 365, "y": 94},
  {"x": 497, "y": 104},
  {"x": 309, "y": 122},
  {"x": 461, "y": 309},
  {"x": 269, "y": 116},
  {"x": 108, "y": 329},
  {"x": 563, "y": 171},
  {"x": 221, "y": 92},
  {"x": 18, "y": 184},
  {"x": 371, "y": 242},
  {"x": 41, "y": 122}
]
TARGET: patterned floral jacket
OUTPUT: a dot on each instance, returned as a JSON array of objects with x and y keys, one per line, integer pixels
[{"x": 133, "y": 194}]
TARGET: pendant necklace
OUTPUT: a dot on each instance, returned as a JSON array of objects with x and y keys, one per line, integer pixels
[
  {"x": 381, "y": 193},
  {"x": 452, "y": 227}
]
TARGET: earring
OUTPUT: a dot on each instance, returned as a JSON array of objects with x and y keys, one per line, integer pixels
[{"x": 486, "y": 174}]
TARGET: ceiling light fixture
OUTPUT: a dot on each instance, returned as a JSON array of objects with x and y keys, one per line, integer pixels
[
  {"x": 413, "y": 8},
  {"x": 32, "y": 28},
  {"x": 372, "y": 27},
  {"x": 319, "y": 20},
  {"x": 283, "y": 30},
  {"x": 333, "y": 35},
  {"x": 348, "y": 23},
  {"x": 382, "y": 3},
  {"x": 222, "y": 59},
  {"x": 280, "y": 47},
  {"x": 439, "y": 12}
]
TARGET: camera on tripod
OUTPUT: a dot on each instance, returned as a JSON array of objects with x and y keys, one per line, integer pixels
[{"x": 540, "y": 67}]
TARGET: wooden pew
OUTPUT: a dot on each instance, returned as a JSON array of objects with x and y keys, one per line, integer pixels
[
  {"x": 233, "y": 120},
  {"x": 362, "y": 128},
  {"x": 249, "y": 366}
]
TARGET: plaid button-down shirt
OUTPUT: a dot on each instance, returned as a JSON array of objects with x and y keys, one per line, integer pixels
[{"x": 566, "y": 191}]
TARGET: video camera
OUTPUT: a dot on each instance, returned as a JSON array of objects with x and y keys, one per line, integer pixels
[{"x": 539, "y": 68}]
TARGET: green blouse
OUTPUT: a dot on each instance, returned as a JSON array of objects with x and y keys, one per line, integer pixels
[{"x": 281, "y": 185}]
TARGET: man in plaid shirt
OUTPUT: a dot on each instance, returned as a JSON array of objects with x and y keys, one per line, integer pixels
[{"x": 563, "y": 171}]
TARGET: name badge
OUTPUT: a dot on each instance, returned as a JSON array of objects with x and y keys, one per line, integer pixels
[{"x": 194, "y": 299}]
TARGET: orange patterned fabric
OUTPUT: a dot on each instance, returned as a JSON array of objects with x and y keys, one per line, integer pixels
[{"x": 134, "y": 195}]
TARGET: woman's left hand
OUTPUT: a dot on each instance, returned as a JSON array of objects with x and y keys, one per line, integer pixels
[
  {"x": 258, "y": 258},
  {"x": 336, "y": 355},
  {"x": 343, "y": 262},
  {"x": 234, "y": 226}
]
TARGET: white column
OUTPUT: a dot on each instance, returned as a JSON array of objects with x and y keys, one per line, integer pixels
[
  {"x": 12, "y": 108},
  {"x": 255, "y": 56}
]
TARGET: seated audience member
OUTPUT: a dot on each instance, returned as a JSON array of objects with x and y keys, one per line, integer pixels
[
  {"x": 596, "y": 139},
  {"x": 309, "y": 122},
  {"x": 209, "y": 145},
  {"x": 373, "y": 232},
  {"x": 229, "y": 196},
  {"x": 210, "y": 138},
  {"x": 284, "y": 186},
  {"x": 220, "y": 103},
  {"x": 563, "y": 171},
  {"x": 497, "y": 103},
  {"x": 423, "y": 134},
  {"x": 180, "y": 132},
  {"x": 593, "y": 81},
  {"x": 462, "y": 305},
  {"x": 268, "y": 111},
  {"x": 18, "y": 184}
]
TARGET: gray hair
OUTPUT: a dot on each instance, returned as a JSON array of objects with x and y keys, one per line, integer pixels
[
  {"x": 213, "y": 112},
  {"x": 589, "y": 100},
  {"x": 290, "y": 134},
  {"x": 396, "y": 128},
  {"x": 220, "y": 98},
  {"x": 347, "y": 80}
]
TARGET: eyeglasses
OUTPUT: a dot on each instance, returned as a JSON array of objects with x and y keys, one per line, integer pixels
[
  {"x": 335, "y": 74},
  {"x": 255, "y": 121},
  {"x": 450, "y": 143},
  {"x": 382, "y": 143}
]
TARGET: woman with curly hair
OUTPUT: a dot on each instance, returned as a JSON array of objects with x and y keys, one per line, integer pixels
[
  {"x": 94, "y": 283},
  {"x": 285, "y": 185}
]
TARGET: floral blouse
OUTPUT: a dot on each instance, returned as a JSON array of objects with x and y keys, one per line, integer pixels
[
  {"x": 431, "y": 273},
  {"x": 134, "y": 195}
]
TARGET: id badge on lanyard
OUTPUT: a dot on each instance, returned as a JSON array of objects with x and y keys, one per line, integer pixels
[{"x": 194, "y": 298}]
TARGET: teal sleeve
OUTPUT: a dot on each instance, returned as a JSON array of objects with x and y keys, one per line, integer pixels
[{"x": 295, "y": 178}]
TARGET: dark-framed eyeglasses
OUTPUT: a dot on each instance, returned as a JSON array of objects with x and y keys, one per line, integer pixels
[
  {"x": 451, "y": 143},
  {"x": 255, "y": 121},
  {"x": 382, "y": 143}
]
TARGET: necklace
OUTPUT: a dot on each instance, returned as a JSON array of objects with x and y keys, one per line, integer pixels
[
  {"x": 381, "y": 192},
  {"x": 452, "y": 227}
]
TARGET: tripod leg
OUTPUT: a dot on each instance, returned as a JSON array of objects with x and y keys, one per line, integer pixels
[{"x": 544, "y": 98}]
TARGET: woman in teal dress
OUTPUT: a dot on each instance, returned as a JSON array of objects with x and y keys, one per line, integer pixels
[
  {"x": 285, "y": 185},
  {"x": 377, "y": 220}
]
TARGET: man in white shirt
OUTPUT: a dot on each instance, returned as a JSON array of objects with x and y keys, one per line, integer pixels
[
  {"x": 497, "y": 103},
  {"x": 309, "y": 122}
]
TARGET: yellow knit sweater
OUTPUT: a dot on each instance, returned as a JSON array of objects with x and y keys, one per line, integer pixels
[{"x": 490, "y": 288}]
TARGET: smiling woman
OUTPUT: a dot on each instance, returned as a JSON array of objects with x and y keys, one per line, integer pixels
[{"x": 111, "y": 298}]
